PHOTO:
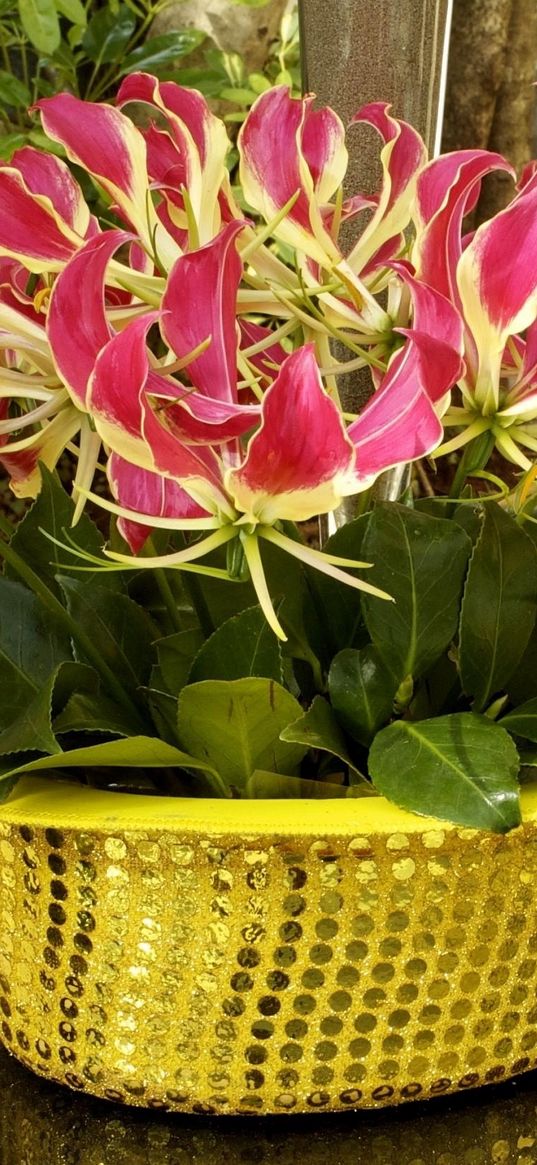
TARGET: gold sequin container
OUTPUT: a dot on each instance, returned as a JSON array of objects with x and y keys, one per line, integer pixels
[{"x": 264, "y": 956}]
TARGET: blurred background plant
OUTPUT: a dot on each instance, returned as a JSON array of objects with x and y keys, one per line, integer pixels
[{"x": 47, "y": 46}]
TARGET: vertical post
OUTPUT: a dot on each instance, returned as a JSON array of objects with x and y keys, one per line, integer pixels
[{"x": 356, "y": 51}]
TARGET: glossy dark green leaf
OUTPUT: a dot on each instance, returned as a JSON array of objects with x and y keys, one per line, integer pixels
[
  {"x": 522, "y": 684},
  {"x": 522, "y": 721},
  {"x": 235, "y": 725},
  {"x": 161, "y": 52},
  {"x": 39, "y": 20},
  {"x": 333, "y": 615},
  {"x": 362, "y": 691},
  {"x": 470, "y": 517},
  {"x": 499, "y": 605},
  {"x": 242, "y": 646},
  {"x": 13, "y": 92},
  {"x": 53, "y": 511},
  {"x": 108, "y": 33},
  {"x": 32, "y": 730},
  {"x": 318, "y": 729},
  {"x": 162, "y": 707},
  {"x": 461, "y": 768},
  {"x": 421, "y": 561},
  {"x": 31, "y": 647},
  {"x": 94, "y": 713},
  {"x": 120, "y": 629},
  {"x": 175, "y": 655}
]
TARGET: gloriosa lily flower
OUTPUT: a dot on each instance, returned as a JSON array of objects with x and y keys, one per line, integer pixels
[
  {"x": 193, "y": 354},
  {"x": 492, "y": 279}
]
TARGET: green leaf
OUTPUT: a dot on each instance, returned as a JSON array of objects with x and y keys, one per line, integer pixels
[
  {"x": 522, "y": 720},
  {"x": 461, "y": 768},
  {"x": 209, "y": 81},
  {"x": 175, "y": 655},
  {"x": 84, "y": 712},
  {"x": 421, "y": 562},
  {"x": 53, "y": 511},
  {"x": 162, "y": 706},
  {"x": 243, "y": 646},
  {"x": 139, "y": 752},
  {"x": 333, "y": 617},
  {"x": 13, "y": 92},
  {"x": 238, "y": 95},
  {"x": 161, "y": 52},
  {"x": 236, "y": 726},
  {"x": 522, "y": 684},
  {"x": 258, "y": 82},
  {"x": 10, "y": 142},
  {"x": 108, "y": 33},
  {"x": 40, "y": 22},
  {"x": 119, "y": 628},
  {"x": 499, "y": 605},
  {"x": 32, "y": 730},
  {"x": 38, "y": 138},
  {"x": 318, "y": 729},
  {"x": 73, "y": 10},
  {"x": 31, "y": 646},
  {"x": 362, "y": 691},
  {"x": 276, "y": 786},
  {"x": 7, "y": 785}
]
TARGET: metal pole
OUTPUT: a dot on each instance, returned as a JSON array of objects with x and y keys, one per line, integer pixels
[{"x": 355, "y": 51}]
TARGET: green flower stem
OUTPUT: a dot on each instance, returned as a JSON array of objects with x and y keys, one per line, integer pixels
[
  {"x": 474, "y": 458},
  {"x": 166, "y": 592},
  {"x": 198, "y": 600},
  {"x": 53, "y": 605}
]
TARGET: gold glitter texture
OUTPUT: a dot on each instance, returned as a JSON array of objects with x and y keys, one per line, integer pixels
[{"x": 260, "y": 957}]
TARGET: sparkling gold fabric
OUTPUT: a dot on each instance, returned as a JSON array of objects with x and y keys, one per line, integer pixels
[
  {"x": 221, "y": 963},
  {"x": 41, "y": 1124}
]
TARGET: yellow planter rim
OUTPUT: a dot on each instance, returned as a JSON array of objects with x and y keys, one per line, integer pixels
[{"x": 44, "y": 801}]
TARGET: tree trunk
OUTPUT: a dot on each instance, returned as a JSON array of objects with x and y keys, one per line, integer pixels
[{"x": 490, "y": 97}]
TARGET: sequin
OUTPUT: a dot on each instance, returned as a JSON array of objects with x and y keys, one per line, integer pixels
[{"x": 204, "y": 974}]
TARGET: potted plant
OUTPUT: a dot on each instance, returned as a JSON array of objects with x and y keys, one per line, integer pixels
[{"x": 263, "y": 840}]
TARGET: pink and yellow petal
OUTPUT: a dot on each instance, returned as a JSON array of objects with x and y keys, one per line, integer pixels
[
  {"x": 293, "y": 471},
  {"x": 148, "y": 493},
  {"x": 128, "y": 424},
  {"x": 200, "y": 139},
  {"x": 497, "y": 283},
  {"x": 77, "y": 324},
  {"x": 31, "y": 229},
  {"x": 199, "y": 304},
  {"x": 400, "y": 422},
  {"x": 447, "y": 189},
  {"x": 403, "y": 156},
  {"x": 274, "y": 168},
  {"x": 48, "y": 175},
  {"x": 21, "y": 458},
  {"x": 106, "y": 144}
]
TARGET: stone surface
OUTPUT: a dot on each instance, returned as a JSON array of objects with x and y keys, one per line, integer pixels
[{"x": 232, "y": 27}]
